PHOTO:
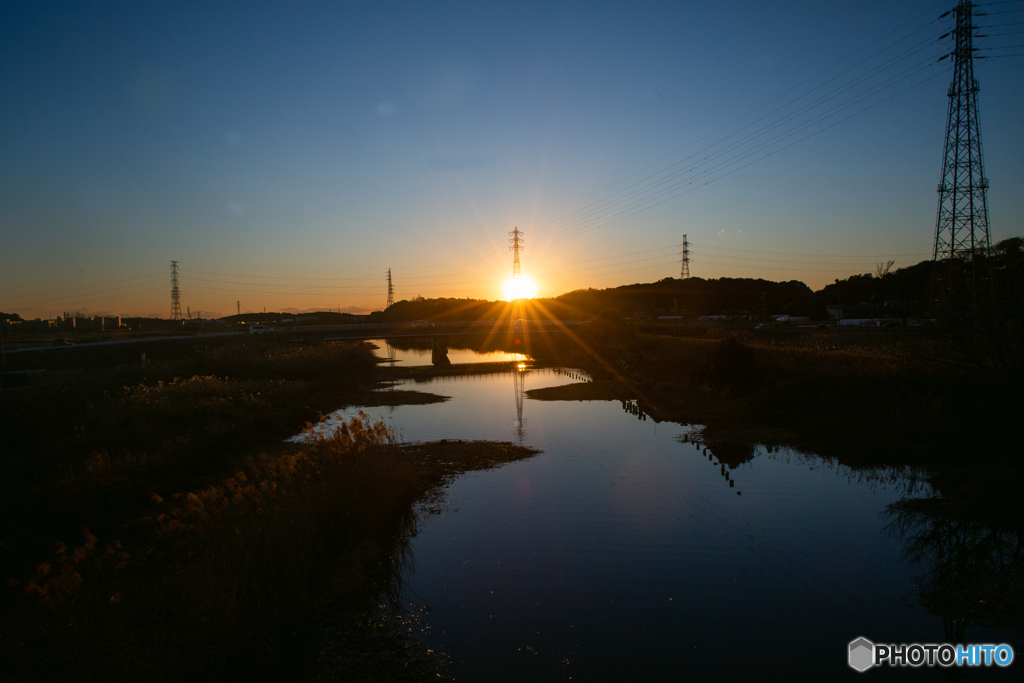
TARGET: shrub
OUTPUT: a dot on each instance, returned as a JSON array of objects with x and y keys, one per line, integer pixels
[{"x": 730, "y": 363}]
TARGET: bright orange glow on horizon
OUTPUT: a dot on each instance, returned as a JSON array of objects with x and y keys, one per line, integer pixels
[{"x": 523, "y": 288}]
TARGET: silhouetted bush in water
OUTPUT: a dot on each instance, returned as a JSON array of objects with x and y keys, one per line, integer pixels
[
  {"x": 730, "y": 363},
  {"x": 971, "y": 568},
  {"x": 733, "y": 454}
]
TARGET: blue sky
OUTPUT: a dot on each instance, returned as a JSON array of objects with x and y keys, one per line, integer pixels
[{"x": 288, "y": 154}]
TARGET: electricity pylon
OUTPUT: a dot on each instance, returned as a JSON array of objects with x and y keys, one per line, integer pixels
[
  {"x": 961, "y": 229},
  {"x": 516, "y": 245},
  {"x": 685, "y": 270},
  {"x": 175, "y": 293},
  {"x": 391, "y": 290}
]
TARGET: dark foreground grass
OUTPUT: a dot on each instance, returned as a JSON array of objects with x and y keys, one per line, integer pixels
[
  {"x": 249, "y": 576},
  {"x": 82, "y": 466},
  {"x": 91, "y": 453}
]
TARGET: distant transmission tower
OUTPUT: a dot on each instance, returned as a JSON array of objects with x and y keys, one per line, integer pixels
[
  {"x": 685, "y": 271},
  {"x": 961, "y": 229},
  {"x": 238, "y": 308},
  {"x": 391, "y": 290},
  {"x": 175, "y": 293},
  {"x": 516, "y": 245}
]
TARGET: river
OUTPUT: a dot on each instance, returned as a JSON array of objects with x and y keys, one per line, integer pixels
[{"x": 624, "y": 552}]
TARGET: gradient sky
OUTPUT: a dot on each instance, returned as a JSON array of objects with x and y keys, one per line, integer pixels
[{"x": 287, "y": 155}]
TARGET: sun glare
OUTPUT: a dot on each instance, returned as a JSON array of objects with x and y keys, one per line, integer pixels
[{"x": 523, "y": 288}]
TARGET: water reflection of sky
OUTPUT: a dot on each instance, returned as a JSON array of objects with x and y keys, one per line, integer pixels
[
  {"x": 410, "y": 357},
  {"x": 622, "y": 554}
]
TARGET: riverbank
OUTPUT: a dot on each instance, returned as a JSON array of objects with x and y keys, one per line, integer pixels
[
  {"x": 86, "y": 460},
  {"x": 246, "y": 573},
  {"x": 873, "y": 398}
]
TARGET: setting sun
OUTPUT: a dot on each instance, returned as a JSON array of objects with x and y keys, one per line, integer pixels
[{"x": 523, "y": 288}]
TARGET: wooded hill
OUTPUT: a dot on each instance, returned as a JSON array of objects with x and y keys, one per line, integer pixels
[{"x": 895, "y": 293}]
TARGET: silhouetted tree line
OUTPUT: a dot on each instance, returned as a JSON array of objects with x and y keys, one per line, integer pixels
[
  {"x": 440, "y": 310},
  {"x": 902, "y": 292},
  {"x": 908, "y": 291},
  {"x": 695, "y": 297},
  {"x": 981, "y": 329}
]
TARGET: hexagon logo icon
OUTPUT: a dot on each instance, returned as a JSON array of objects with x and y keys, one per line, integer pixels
[{"x": 862, "y": 654}]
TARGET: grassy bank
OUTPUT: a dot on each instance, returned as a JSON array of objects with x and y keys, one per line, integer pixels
[
  {"x": 882, "y": 396},
  {"x": 240, "y": 576},
  {"x": 160, "y": 529},
  {"x": 91, "y": 452}
]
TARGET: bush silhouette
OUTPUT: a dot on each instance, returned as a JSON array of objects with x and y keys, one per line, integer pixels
[{"x": 730, "y": 363}]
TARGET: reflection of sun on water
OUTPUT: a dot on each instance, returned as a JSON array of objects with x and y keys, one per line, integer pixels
[{"x": 523, "y": 288}]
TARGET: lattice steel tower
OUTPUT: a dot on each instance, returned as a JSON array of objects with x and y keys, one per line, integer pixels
[
  {"x": 685, "y": 270},
  {"x": 175, "y": 293},
  {"x": 961, "y": 229},
  {"x": 391, "y": 290},
  {"x": 516, "y": 245}
]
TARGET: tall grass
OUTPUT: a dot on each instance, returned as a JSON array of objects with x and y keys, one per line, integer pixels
[
  {"x": 231, "y": 576},
  {"x": 91, "y": 454},
  {"x": 166, "y": 570}
]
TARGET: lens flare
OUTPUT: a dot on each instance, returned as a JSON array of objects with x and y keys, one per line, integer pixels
[{"x": 523, "y": 288}]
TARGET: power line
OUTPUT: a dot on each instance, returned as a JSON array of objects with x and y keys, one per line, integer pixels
[
  {"x": 640, "y": 199},
  {"x": 880, "y": 52},
  {"x": 664, "y": 193},
  {"x": 684, "y": 187},
  {"x": 823, "y": 71},
  {"x": 652, "y": 179}
]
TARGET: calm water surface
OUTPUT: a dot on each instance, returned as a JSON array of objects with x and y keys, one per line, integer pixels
[
  {"x": 622, "y": 553},
  {"x": 407, "y": 357}
]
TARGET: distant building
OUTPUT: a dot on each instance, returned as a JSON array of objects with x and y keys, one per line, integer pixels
[
  {"x": 98, "y": 323},
  {"x": 36, "y": 325}
]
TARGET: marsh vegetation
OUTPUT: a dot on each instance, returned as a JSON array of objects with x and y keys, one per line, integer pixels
[{"x": 162, "y": 530}]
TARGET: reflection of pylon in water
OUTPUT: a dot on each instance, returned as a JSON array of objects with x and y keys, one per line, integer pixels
[
  {"x": 392, "y": 351},
  {"x": 519, "y": 380}
]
